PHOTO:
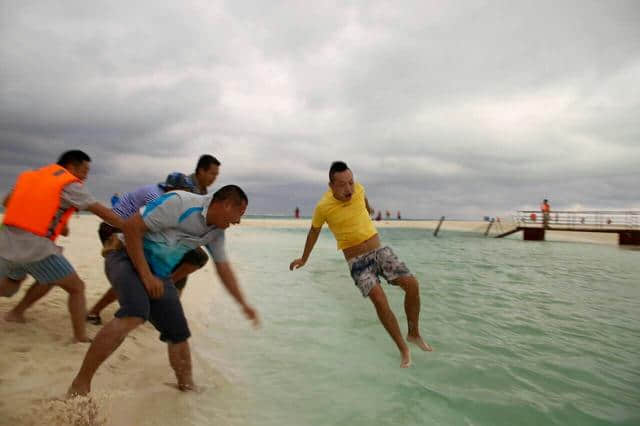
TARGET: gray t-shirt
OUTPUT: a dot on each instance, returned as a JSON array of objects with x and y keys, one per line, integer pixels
[
  {"x": 20, "y": 246},
  {"x": 177, "y": 223}
]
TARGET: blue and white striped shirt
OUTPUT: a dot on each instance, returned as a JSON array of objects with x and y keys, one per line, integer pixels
[{"x": 130, "y": 203}]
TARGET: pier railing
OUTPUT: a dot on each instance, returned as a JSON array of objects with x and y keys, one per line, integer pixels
[{"x": 601, "y": 220}]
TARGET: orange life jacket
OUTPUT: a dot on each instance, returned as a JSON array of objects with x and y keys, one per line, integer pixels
[
  {"x": 546, "y": 208},
  {"x": 34, "y": 204}
]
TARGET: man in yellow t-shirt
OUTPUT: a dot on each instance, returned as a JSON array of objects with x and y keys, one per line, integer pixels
[{"x": 346, "y": 210}]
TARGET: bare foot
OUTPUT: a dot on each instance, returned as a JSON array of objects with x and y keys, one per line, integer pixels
[
  {"x": 406, "y": 359},
  {"x": 184, "y": 387},
  {"x": 78, "y": 389},
  {"x": 13, "y": 317},
  {"x": 84, "y": 339},
  {"x": 417, "y": 340},
  {"x": 185, "y": 384}
]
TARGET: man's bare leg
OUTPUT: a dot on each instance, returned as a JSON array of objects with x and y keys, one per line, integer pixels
[
  {"x": 390, "y": 323},
  {"x": 9, "y": 287},
  {"x": 107, "y": 298},
  {"x": 412, "y": 309},
  {"x": 180, "y": 360},
  {"x": 35, "y": 293},
  {"x": 106, "y": 341},
  {"x": 73, "y": 285}
]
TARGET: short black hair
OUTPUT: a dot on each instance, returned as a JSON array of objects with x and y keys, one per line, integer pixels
[
  {"x": 206, "y": 161},
  {"x": 75, "y": 157},
  {"x": 230, "y": 192},
  {"x": 337, "y": 167}
]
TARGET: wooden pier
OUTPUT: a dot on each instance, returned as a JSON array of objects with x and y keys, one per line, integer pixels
[{"x": 534, "y": 224}]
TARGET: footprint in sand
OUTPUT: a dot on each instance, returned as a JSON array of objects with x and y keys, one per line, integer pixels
[{"x": 22, "y": 349}]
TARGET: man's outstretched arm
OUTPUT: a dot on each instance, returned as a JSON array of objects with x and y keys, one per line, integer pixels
[
  {"x": 312, "y": 237},
  {"x": 230, "y": 282},
  {"x": 106, "y": 214}
]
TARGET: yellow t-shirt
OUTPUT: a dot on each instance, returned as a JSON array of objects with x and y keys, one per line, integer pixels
[{"x": 349, "y": 221}]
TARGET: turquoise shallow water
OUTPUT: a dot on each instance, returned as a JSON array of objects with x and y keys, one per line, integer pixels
[{"x": 525, "y": 333}]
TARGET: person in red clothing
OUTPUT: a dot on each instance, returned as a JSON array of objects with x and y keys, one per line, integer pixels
[{"x": 545, "y": 208}]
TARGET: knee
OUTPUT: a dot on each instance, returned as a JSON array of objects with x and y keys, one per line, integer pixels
[
  {"x": 409, "y": 284},
  {"x": 122, "y": 326},
  {"x": 75, "y": 287}
]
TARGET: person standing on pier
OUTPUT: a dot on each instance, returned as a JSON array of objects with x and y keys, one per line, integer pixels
[{"x": 546, "y": 212}]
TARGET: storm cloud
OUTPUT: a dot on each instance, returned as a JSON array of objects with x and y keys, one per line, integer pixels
[{"x": 461, "y": 109}]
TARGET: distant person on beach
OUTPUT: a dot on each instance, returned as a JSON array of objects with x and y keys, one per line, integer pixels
[
  {"x": 379, "y": 215},
  {"x": 156, "y": 240},
  {"x": 399, "y": 215},
  {"x": 37, "y": 211},
  {"x": 345, "y": 208},
  {"x": 296, "y": 213},
  {"x": 545, "y": 208}
]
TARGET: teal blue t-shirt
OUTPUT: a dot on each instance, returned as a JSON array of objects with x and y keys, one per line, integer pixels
[{"x": 177, "y": 224}]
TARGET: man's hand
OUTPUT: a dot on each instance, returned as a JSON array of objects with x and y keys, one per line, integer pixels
[
  {"x": 298, "y": 263},
  {"x": 154, "y": 286},
  {"x": 251, "y": 314}
]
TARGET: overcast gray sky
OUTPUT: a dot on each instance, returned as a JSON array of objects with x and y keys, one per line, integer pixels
[{"x": 462, "y": 109}]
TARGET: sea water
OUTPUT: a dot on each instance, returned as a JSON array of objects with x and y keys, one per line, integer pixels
[{"x": 524, "y": 333}]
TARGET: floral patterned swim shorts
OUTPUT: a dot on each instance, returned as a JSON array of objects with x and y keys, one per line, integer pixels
[{"x": 366, "y": 268}]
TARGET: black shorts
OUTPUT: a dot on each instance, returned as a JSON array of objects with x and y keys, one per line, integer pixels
[
  {"x": 165, "y": 314},
  {"x": 197, "y": 257}
]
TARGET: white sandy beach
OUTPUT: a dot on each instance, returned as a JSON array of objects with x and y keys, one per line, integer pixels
[{"x": 39, "y": 360}]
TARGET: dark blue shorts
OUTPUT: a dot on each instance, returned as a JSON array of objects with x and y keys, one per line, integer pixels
[{"x": 165, "y": 314}]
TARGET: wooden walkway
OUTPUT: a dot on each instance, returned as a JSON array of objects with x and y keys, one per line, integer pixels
[{"x": 534, "y": 225}]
